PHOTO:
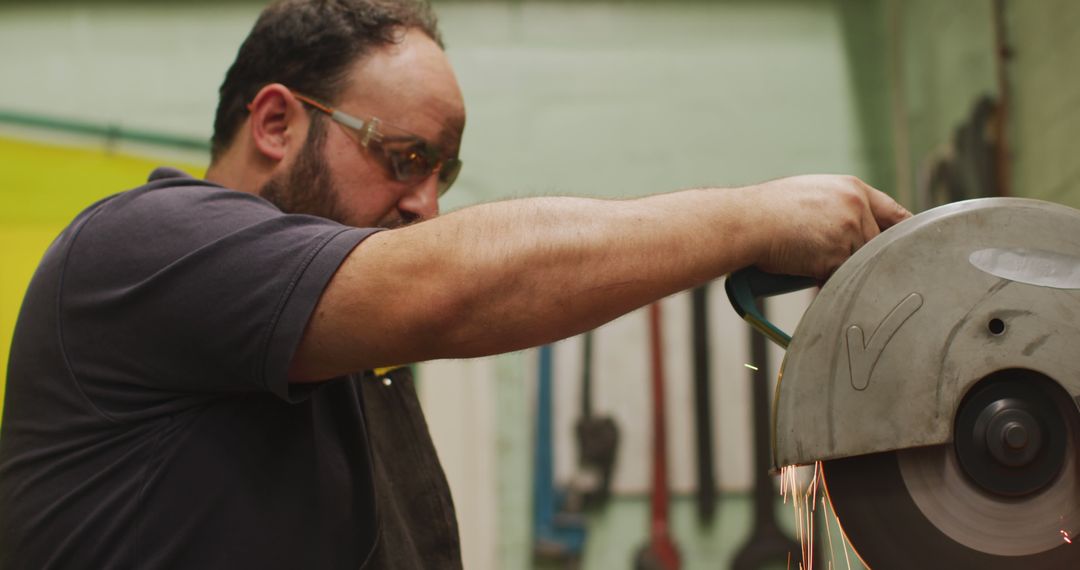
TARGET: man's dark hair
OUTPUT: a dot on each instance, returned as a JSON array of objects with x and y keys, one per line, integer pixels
[{"x": 309, "y": 46}]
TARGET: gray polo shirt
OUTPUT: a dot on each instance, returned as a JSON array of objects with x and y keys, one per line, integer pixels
[{"x": 148, "y": 420}]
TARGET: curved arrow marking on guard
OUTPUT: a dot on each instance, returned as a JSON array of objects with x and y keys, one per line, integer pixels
[{"x": 863, "y": 356}]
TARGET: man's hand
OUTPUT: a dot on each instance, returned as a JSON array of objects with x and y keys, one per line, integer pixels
[{"x": 818, "y": 221}]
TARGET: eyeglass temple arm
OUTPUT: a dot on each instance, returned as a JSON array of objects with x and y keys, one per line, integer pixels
[{"x": 368, "y": 128}]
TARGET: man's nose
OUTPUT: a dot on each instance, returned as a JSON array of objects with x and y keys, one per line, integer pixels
[{"x": 421, "y": 202}]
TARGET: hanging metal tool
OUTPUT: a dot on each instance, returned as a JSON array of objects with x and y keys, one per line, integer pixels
[
  {"x": 597, "y": 438},
  {"x": 768, "y": 545},
  {"x": 558, "y": 536},
  {"x": 706, "y": 478},
  {"x": 935, "y": 378},
  {"x": 660, "y": 553}
]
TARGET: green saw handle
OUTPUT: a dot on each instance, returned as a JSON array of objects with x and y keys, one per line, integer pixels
[{"x": 747, "y": 286}]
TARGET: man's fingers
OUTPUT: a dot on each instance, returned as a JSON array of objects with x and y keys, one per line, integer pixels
[
  {"x": 871, "y": 227},
  {"x": 887, "y": 212}
]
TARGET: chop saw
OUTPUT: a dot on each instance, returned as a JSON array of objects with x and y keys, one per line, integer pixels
[{"x": 936, "y": 377}]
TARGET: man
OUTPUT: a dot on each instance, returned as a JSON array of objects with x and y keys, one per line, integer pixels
[{"x": 191, "y": 381}]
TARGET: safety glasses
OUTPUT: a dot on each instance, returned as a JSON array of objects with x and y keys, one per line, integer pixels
[{"x": 407, "y": 157}]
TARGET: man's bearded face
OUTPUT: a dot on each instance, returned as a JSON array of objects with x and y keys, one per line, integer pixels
[{"x": 307, "y": 187}]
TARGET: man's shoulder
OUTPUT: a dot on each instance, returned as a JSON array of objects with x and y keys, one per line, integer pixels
[
  {"x": 169, "y": 191},
  {"x": 173, "y": 203},
  {"x": 172, "y": 214}
]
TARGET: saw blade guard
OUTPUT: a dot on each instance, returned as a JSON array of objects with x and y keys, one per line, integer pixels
[{"x": 884, "y": 355}]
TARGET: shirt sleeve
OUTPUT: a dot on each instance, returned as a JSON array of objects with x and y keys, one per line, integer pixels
[{"x": 192, "y": 289}]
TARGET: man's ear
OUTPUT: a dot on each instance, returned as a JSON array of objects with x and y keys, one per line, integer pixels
[{"x": 275, "y": 117}]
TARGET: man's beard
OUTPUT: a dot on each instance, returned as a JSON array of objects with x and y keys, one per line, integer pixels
[{"x": 306, "y": 188}]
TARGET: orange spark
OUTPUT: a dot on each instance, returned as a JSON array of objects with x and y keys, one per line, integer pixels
[{"x": 828, "y": 531}]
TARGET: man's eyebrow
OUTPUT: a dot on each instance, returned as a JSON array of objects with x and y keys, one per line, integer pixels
[{"x": 450, "y": 135}]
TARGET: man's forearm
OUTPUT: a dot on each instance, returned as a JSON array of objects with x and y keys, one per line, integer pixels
[
  {"x": 504, "y": 276},
  {"x": 526, "y": 272}
]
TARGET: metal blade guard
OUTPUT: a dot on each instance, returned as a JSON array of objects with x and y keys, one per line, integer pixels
[{"x": 884, "y": 355}]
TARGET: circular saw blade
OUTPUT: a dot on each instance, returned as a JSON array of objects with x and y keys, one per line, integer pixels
[{"x": 913, "y": 507}]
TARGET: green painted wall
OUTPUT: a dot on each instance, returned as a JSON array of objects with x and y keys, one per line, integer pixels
[
  {"x": 1045, "y": 99},
  {"x": 946, "y": 61},
  {"x": 920, "y": 65}
]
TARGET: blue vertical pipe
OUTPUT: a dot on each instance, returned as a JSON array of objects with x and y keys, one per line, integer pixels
[
  {"x": 544, "y": 466},
  {"x": 556, "y": 535}
]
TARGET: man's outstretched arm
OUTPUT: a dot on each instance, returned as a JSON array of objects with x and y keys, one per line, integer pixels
[{"x": 509, "y": 275}]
